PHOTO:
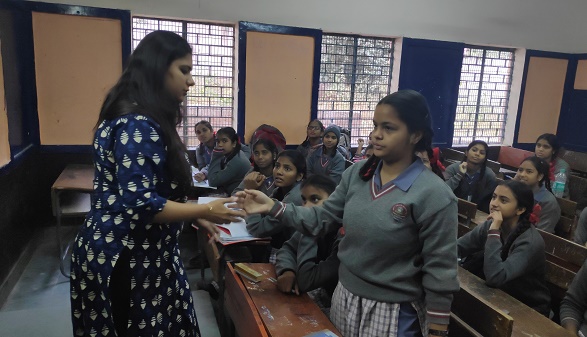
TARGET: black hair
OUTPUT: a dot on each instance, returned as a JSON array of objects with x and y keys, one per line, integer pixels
[
  {"x": 321, "y": 182},
  {"x": 335, "y": 149},
  {"x": 542, "y": 167},
  {"x": 553, "y": 141},
  {"x": 481, "y": 182},
  {"x": 307, "y": 141},
  {"x": 207, "y": 125},
  {"x": 233, "y": 137},
  {"x": 412, "y": 109},
  {"x": 297, "y": 158},
  {"x": 141, "y": 90},
  {"x": 269, "y": 145},
  {"x": 525, "y": 199}
]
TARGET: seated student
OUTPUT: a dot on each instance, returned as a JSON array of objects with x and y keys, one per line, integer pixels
[
  {"x": 207, "y": 139},
  {"x": 260, "y": 176},
  {"x": 581, "y": 231},
  {"x": 470, "y": 180},
  {"x": 426, "y": 159},
  {"x": 314, "y": 134},
  {"x": 326, "y": 159},
  {"x": 573, "y": 312},
  {"x": 367, "y": 153},
  {"x": 533, "y": 172},
  {"x": 306, "y": 263},
  {"x": 230, "y": 161},
  {"x": 547, "y": 148},
  {"x": 288, "y": 172},
  {"x": 507, "y": 250}
]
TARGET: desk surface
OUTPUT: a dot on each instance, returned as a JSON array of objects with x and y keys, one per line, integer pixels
[
  {"x": 480, "y": 217},
  {"x": 285, "y": 315},
  {"x": 527, "y": 322},
  {"x": 76, "y": 178}
]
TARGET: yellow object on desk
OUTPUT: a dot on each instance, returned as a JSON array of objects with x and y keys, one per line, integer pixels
[{"x": 248, "y": 272}]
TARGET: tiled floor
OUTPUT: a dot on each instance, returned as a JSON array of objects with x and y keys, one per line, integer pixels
[{"x": 39, "y": 303}]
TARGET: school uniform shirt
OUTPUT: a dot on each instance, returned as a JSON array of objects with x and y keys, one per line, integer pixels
[
  {"x": 332, "y": 166},
  {"x": 262, "y": 226},
  {"x": 550, "y": 211},
  {"x": 400, "y": 239},
  {"x": 581, "y": 231},
  {"x": 574, "y": 304},
  {"x": 480, "y": 189},
  {"x": 233, "y": 173},
  {"x": 267, "y": 187},
  {"x": 313, "y": 259},
  {"x": 560, "y": 164},
  {"x": 521, "y": 274},
  {"x": 203, "y": 157},
  {"x": 131, "y": 185}
]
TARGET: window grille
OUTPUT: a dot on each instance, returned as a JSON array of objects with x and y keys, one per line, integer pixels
[{"x": 484, "y": 90}]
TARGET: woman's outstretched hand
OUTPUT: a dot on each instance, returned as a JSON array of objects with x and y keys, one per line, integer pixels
[
  {"x": 211, "y": 228},
  {"x": 254, "y": 202},
  {"x": 220, "y": 214}
]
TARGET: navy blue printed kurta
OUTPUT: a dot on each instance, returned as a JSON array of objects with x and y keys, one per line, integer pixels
[{"x": 130, "y": 187}]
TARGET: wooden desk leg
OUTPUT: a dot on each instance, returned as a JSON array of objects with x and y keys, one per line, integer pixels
[{"x": 62, "y": 252}]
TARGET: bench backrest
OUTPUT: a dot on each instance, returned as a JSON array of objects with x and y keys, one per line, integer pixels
[{"x": 511, "y": 157}]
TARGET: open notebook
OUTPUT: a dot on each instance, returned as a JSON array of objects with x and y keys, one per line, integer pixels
[
  {"x": 233, "y": 232},
  {"x": 202, "y": 184}
]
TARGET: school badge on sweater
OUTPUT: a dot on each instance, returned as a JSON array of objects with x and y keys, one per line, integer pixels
[{"x": 399, "y": 212}]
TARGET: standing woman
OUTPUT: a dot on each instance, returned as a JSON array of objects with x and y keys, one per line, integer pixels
[
  {"x": 207, "y": 139},
  {"x": 533, "y": 172},
  {"x": 547, "y": 148},
  {"x": 470, "y": 179},
  {"x": 126, "y": 275},
  {"x": 390, "y": 200}
]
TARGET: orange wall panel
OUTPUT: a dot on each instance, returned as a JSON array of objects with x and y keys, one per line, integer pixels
[
  {"x": 279, "y": 83},
  {"x": 4, "y": 144},
  {"x": 77, "y": 60},
  {"x": 581, "y": 75}
]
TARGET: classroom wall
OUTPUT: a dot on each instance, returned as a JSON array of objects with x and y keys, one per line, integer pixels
[
  {"x": 573, "y": 116},
  {"x": 521, "y": 23}
]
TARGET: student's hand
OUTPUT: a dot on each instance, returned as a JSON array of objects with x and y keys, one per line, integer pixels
[
  {"x": 220, "y": 214},
  {"x": 571, "y": 326},
  {"x": 497, "y": 219},
  {"x": 360, "y": 142},
  {"x": 211, "y": 228},
  {"x": 254, "y": 202},
  {"x": 200, "y": 177},
  {"x": 254, "y": 181},
  {"x": 463, "y": 167},
  {"x": 286, "y": 283}
]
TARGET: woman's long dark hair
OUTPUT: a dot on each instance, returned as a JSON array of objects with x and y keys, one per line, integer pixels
[
  {"x": 141, "y": 90},
  {"x": 412, "y": 109},
  {"x": 270, "y": 146},
  {"x": 231, "y": 134},
  {"x": 542, "y": 167},
  {"x": 525, "y": 199}
]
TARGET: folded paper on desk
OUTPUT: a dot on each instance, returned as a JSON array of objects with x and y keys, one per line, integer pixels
[
  {"x": 323, "y": 333},
  {"x": 233, "y": 232},
  {"x": 202, "y": 184}
]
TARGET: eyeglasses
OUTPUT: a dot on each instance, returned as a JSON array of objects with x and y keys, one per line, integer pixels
[{"x": 311, "y": 127}]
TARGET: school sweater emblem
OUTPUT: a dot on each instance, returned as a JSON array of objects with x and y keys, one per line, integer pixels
[{"x": 399, "y": 211}]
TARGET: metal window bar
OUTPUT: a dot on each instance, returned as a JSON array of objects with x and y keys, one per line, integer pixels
[
  {"x": 354, "y": 75},
  {"x": 483, "y": 95},
  {"x": 212, "y": 96}
]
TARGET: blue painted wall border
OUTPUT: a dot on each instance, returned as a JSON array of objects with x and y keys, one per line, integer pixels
[
  {"x": 564, "y": 105},
  {"x": 245, "y": 27}
]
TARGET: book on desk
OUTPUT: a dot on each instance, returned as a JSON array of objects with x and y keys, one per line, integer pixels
[{"x": 202, "y": 184}]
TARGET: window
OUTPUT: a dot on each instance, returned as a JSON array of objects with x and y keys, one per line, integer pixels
[
  {"x": 486, "y": 77},
  {"x": 213, "y": 59},
  {"x": 355, "y": 74}
]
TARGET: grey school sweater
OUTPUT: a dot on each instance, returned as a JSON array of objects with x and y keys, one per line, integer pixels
[
  {"x": 267, "y": 187},
  {"x": 400, "y": 240},
  {"x": 581, "y": 231},
  {"x": 480, "y": 191},
  {"x": 550, "y": 211},
  {"x": 574, "y": 305},
  {"x": 330, "y": 166},
  {"x": 521, "y": 274},
  {"x": 234, "y": 171}
]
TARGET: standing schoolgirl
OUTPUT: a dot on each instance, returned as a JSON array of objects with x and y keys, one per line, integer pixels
[
  {"x": 314, "y": 134},
  {"x": 513, "y": 256},
  {"x": 470, "y": 179},
  {"x": 326, "y": 159},
  {"x": 229, "y": 163},
  {"x": 260, "y": 176},
  {"x": 547, "y": 148},
  {"x": 207, "y": 139},
  {"x": 533, "y": 172},
  {"x": 390, "y": 200},
  {"x": 289, "y": 171}
]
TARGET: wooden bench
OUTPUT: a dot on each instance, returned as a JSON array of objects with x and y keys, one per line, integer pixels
[
  {"x": 577, "y": 161},
  {"x": 577, "y": 187},
  {"x": 282, "y": 315},
  {"x": 467, "y": 211},
  {"x": 563, "y": 260},
  {"x": 526, "y": 322},
  {"x": 510, "y": 157},
  {"x": 568, "y": 221}
]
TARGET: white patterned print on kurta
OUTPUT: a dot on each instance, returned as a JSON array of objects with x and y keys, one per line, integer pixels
[{"x": 130, "y": 187}]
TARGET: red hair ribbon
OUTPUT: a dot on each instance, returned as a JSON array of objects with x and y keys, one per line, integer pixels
[
  {"x": 551, "y": 170},
  {"x": 535, "y": 215},
  {"x": 436, "y": 158}
]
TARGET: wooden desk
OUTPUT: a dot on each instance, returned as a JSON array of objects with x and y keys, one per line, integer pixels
[
  {"x": 282, "y": 314},
  {"x": 70, "y": 196},
  {"x": 480, "y": 217},
  {"x": 527, "y": 322}
]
